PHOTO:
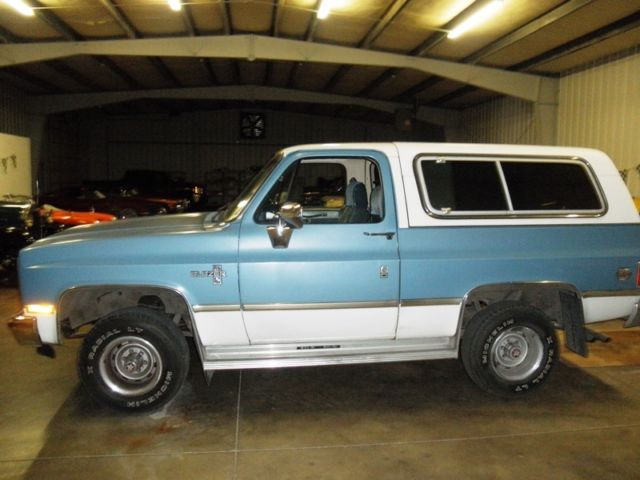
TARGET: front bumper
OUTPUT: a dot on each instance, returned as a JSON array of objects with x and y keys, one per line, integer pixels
[{"x": 25, "y": 329}]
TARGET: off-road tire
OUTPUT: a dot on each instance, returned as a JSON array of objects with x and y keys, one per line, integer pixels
[
  {"x": 134, "y": 359},
  {"x": 509, "y": 348}
]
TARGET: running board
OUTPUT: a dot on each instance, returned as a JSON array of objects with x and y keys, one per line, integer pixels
[{"x": 333, "y": 353}]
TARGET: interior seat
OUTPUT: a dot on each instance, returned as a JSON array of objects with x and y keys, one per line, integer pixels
[{"x": 356, "y": 204}]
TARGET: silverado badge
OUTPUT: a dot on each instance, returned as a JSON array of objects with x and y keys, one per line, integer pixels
[{"x": 216, "y": 273}]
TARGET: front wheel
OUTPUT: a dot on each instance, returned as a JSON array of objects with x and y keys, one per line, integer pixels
[
  {"x": 135, "y": 359},
  {"x": 509, "y": 347}
]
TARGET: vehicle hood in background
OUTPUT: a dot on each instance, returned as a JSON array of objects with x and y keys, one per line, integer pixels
[{"x": 133, "y": 227}]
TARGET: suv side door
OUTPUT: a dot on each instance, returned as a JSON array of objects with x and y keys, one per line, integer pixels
[{"x": 338, "y": 277}]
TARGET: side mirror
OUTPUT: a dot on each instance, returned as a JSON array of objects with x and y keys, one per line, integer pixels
[
  {"x": 291, "y": 214},
  {"x": 289, "y": 218}
]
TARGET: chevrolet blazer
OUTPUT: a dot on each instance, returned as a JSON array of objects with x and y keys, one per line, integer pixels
[{"x": 349, "y": 253}]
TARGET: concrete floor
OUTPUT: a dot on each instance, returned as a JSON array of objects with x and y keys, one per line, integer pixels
[{"x": 397, "y": 421}]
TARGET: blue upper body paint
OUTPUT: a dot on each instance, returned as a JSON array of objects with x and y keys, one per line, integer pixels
[{"x": 325, "y": 263}]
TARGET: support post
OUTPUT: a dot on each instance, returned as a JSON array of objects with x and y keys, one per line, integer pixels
[{"x": 545, "y": 111}]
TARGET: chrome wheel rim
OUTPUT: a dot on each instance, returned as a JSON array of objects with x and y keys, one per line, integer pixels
[
  {"x": 130, "y": 366},
  {"x": 516, "y": 354}
]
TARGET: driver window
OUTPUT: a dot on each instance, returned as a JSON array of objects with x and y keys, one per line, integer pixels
[{"x": 329, "y": 190}]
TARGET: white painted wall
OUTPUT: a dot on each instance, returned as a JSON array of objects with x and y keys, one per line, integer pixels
[{"x": 15, "y": 165}]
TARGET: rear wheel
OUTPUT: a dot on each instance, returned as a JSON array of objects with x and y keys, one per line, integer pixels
[
  {"x": 134, "y": 359},
  {"x": 509, "y": 347}
]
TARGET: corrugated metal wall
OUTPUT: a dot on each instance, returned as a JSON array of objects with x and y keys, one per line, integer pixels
[
  {"x": 13, "y": 120},
  {"x": 600, "y": 108},
  {"x": 505, "y": 120},
  {"x": 197, "y": 143},
  {"x": 65, "y": 153}
]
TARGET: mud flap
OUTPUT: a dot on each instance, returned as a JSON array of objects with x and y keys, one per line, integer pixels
[{"x": 573, "y": 323}]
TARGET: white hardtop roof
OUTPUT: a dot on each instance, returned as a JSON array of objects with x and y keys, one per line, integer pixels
[
  {"x": 413, "y": 148},
  {"x": 402, "y": 154}
]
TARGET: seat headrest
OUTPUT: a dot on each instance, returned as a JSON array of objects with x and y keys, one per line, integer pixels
[{"x": 356, "y": 194}]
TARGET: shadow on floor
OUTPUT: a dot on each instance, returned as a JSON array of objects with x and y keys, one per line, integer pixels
[{"x": 307, "y": 408}]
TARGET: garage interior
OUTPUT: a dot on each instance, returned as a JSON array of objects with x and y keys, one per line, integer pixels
[{"x": 212, "y": 89}]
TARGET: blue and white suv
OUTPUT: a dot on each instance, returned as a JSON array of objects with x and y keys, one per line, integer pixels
[{"x": 349, "y": 253}]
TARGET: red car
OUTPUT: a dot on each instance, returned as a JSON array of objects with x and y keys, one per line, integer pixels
[
  {"x": 122, "y": 206},
  {"x": 68, "y": 218}
]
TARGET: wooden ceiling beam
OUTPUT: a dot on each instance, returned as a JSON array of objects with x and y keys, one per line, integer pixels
[
  {"x": 187, "y": 19},
  {"x": 131, "y": 32},
  {"x": 530, "y": 28},
  {"x": 619, "y": 27},
  {"x": 123, "y": 22},
  {"x": 106, "y": 62},
  {"x": 71, "y": 35},
  {"x": 387, "y": 17},
  {"x": 7, "y": 37},
  {"x": 54, "y": 21},
  {"x": 63, "y": 69},
  {"x": 22, "y": 76},
  {"x": 511, "y": 38},
  {"x": 420, "y": 50},
  {"x": 166, "y": 73},
  {"x": 623, "y": 25},
  {"x": 225, "y": 14},
  {"x": 67, "y": 33},
  {"x": 276, "y": 17}
]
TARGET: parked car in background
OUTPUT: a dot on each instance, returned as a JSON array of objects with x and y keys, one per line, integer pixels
[
  {"x": 16, "y": 232},
  {"x": 21, "y": 223},
  {"x": 156, "y": 184},
  {"x": 67, "y": 218},
  {"x": 82, "y": 198}
]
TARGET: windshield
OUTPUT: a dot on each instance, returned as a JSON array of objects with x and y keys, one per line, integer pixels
[{"x": 236, "y": 207}]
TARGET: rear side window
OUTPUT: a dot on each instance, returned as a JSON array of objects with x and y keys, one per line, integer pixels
[
  {"x": 550, "y": 186},
  {"x": 499, "y": 187},
  {"x": 463, "y": 186}
]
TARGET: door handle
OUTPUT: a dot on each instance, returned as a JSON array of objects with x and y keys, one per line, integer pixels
[{"x": 389, "y": 235}]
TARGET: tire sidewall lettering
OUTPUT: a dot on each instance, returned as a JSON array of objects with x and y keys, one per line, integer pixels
[
  {"x": 101, "y": 348},
  {"x": 100, "y": 341},
  {"x": 161, "y": 390}
]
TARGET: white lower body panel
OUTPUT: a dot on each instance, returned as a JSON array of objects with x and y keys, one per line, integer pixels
[
  {"x": 599, "y": 309},
  {"x": 428, "y": 321},
  {"x": 320, "y": 325},
  {"x": 221, "y": 328}
]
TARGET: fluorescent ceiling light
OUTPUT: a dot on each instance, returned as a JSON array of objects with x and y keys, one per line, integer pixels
[
  {"x": 481, "y": 16},
  {"x": 175, "y": 5},
  {"x": 325, "y": 9},
  {"x": 20, "y": 6}
]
